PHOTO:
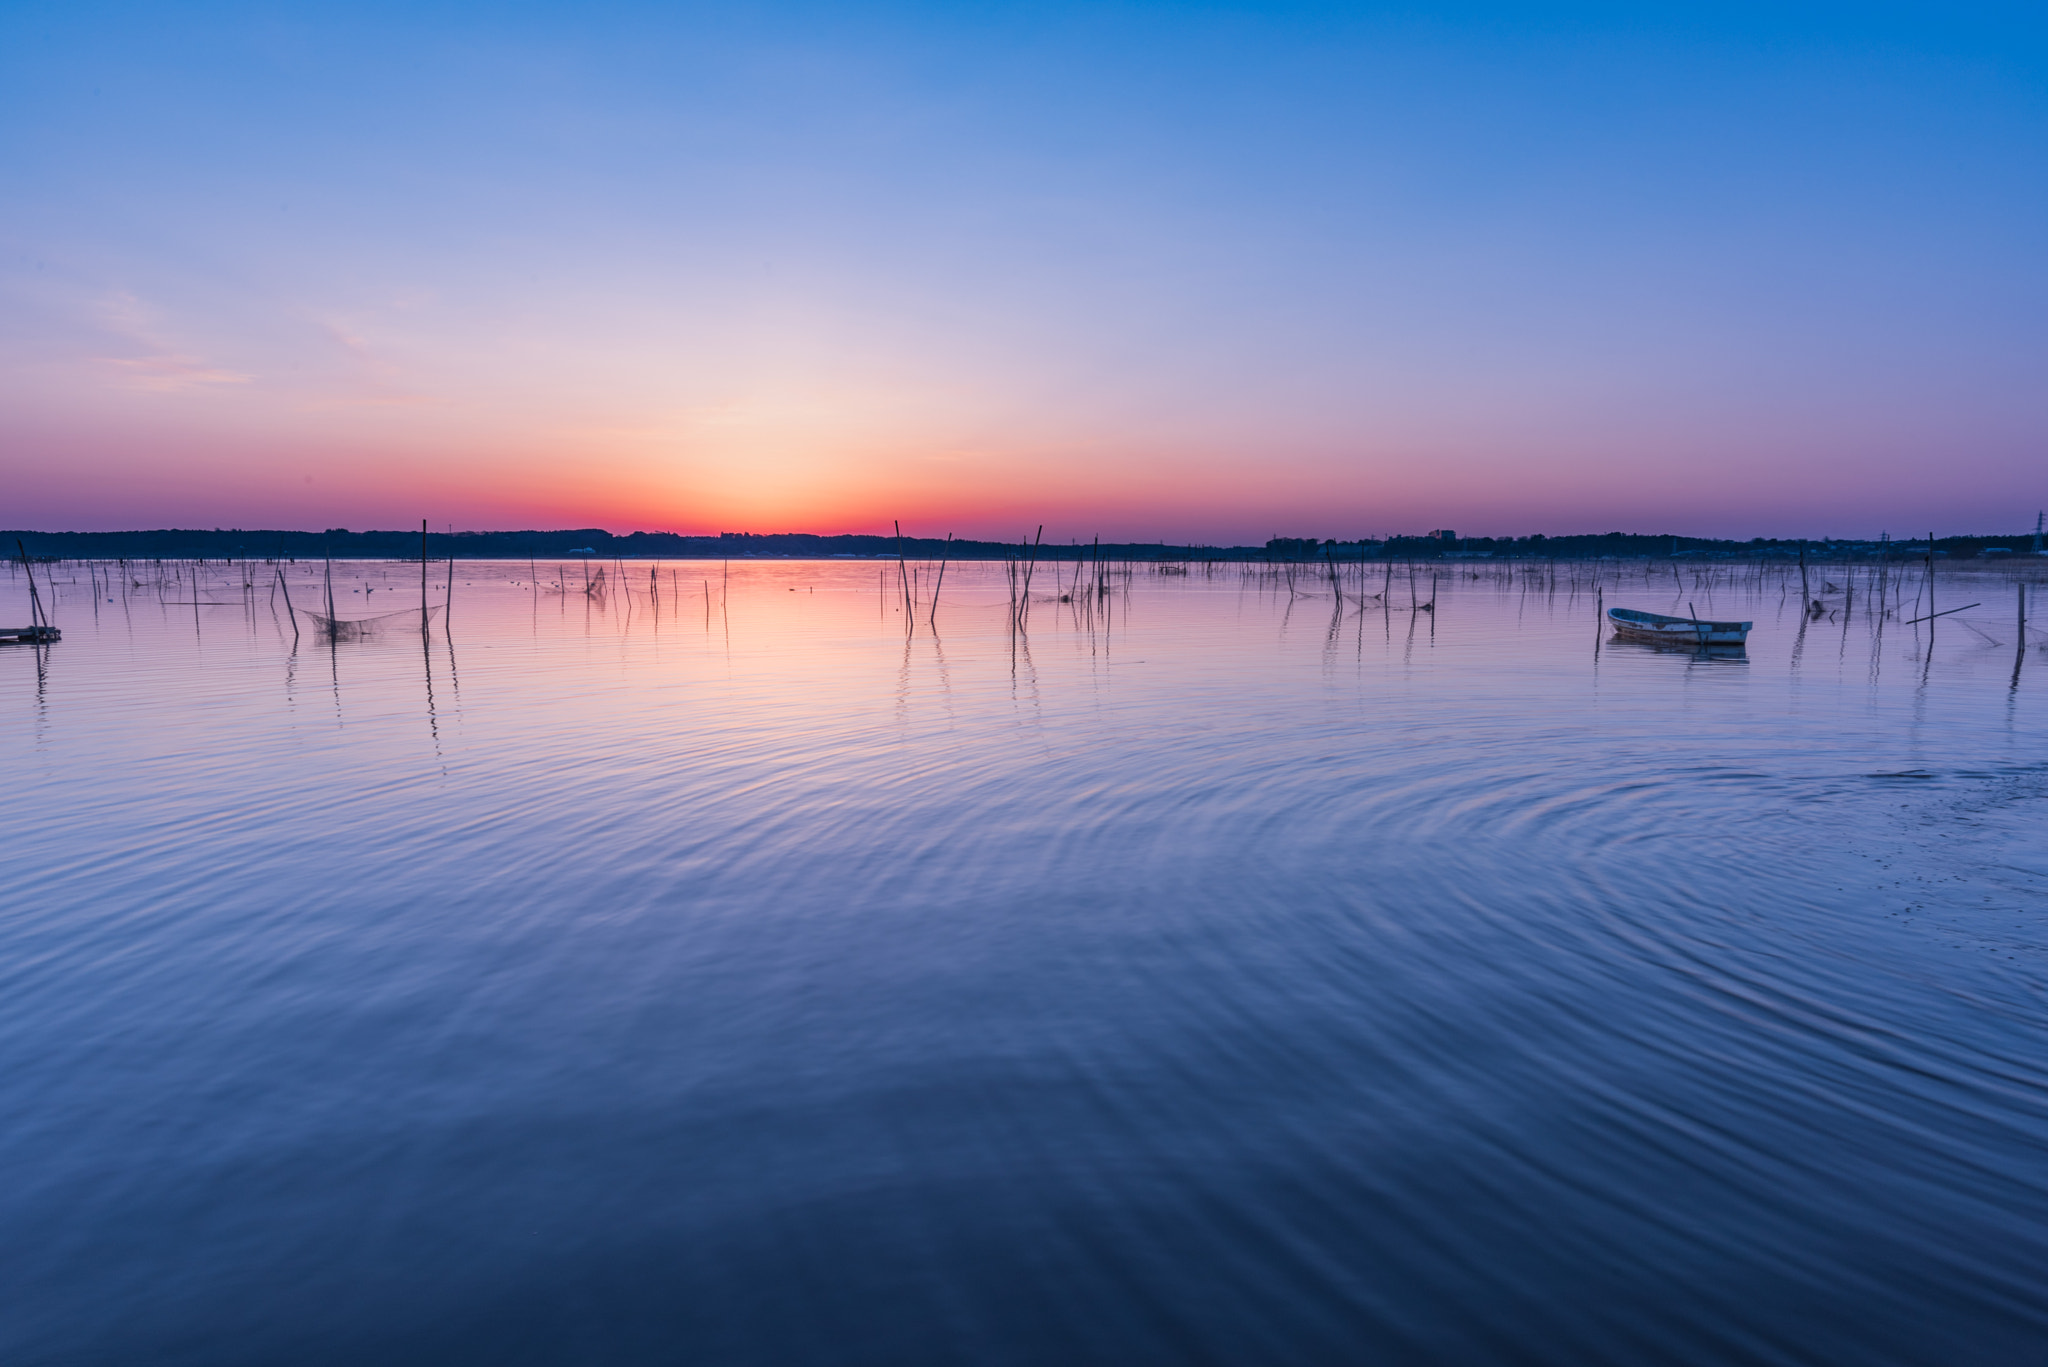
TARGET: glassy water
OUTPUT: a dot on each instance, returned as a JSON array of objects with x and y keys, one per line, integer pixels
[{"x": 1208, "y": 973}]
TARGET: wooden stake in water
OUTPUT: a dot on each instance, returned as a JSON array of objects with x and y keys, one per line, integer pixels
[
  {"x": 2020, "y": 657},
  {"x": 285, "y": 584},
  {"x": 941, "y": 581},
  {"x": 35, "y": 600},
  {"x": 903, "y": 575},
  {"x": 1931, "y": 613}
]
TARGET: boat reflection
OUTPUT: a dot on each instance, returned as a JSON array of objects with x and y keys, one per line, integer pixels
[{"x": 1718, "y": 654}]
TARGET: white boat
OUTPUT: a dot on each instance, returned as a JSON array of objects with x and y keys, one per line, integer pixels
[{"x": 1692, "y": 632}]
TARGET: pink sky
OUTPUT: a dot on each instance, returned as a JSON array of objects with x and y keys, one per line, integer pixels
[{"x": 1326, "y": 279}]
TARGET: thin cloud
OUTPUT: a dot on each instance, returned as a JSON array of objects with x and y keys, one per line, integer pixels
[
  {"x": 161, "y": 368},
  {"x": 169, "y": 373},
  {"x": 381, "y": 381}
]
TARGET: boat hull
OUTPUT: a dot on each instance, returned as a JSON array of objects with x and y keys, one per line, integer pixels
[{"x": 1659, "y": 629}]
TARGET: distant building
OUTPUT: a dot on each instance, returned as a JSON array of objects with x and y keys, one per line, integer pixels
[{"x": 1443, "y": 535}]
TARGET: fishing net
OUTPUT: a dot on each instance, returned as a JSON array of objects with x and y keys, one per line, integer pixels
[
  {"x": 364, "y": 628},
  {"x": 592, "y": 585}
]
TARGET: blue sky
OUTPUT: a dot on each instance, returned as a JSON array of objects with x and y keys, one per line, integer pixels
[{"x": 1208, "y": 272}]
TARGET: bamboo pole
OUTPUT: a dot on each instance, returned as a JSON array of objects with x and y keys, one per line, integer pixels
[
  {"x": 35, "y": 601},
  {"x": 2020, "y": 656},
  {"x": 285, "y": 584},
  {"x": 1931, "y": 613},
  {"x": 941, "y": 581},
  {"x": 903, "y": 577}
]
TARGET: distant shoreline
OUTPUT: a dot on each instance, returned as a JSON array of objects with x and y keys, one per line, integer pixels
[{"x": 241, "y": 544}]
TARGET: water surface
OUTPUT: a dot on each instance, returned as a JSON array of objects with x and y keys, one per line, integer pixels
[{"x": 1215, "y": 971}]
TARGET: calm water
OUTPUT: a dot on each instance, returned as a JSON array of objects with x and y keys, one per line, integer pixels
[{"x": 733, "y": 979}]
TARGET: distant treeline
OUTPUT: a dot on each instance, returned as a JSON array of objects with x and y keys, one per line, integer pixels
[{"x": 238, "y": 544}]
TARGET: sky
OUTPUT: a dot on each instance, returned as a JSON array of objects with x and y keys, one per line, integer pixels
[{"x": 1205, "y": 273}]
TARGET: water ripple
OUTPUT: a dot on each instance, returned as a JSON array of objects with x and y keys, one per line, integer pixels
[{"x": 740, "y": 980}]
